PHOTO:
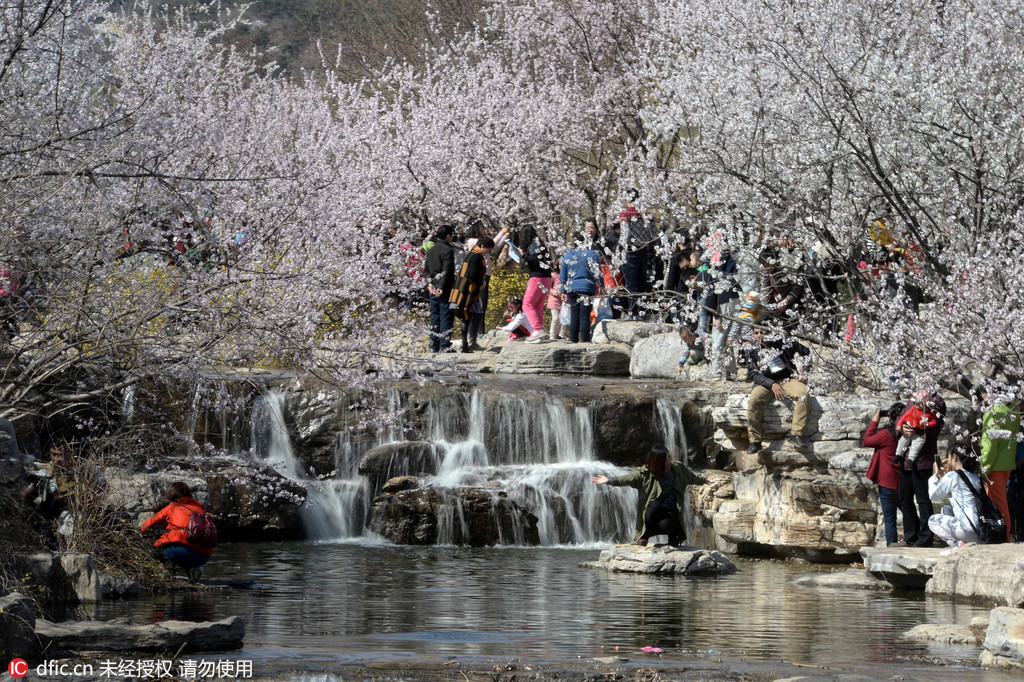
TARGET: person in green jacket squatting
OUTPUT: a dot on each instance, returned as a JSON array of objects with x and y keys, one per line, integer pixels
[{"x": 661, "y": 485}]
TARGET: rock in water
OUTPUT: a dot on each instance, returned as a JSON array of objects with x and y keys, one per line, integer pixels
[
  {"x": 945, "y": 633},
  {"x": 690, "y": 561},
  {"x": 218, "y": 635},
  {"x": 1004, "y": 639},
  {"x": 460, "y": 516},
  {"x": 852, "y": 578}
]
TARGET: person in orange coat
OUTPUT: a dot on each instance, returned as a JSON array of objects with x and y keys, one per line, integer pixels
[{"x": 174, "y": 543}]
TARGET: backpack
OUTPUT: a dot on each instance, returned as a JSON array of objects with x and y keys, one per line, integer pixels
[
  {"x": 991, "y": 529},
  {"x": 201, "y": 530}
]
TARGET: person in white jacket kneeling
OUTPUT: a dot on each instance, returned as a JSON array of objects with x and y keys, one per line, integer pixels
[{"x": 958, "y": 522}]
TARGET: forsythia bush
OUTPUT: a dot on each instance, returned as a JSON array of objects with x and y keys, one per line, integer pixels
[{"x": 507, "y": 280}]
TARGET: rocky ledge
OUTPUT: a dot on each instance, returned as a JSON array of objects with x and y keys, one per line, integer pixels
[
  {"x": 22, "y": 634},
  {"x": 221, "y": 635},
  {"x": 689, "y": 561},
  {"x": 980, "y": 572}
]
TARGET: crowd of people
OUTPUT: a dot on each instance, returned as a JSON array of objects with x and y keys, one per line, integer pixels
[
  {"x": 637, "y": 269},
  {"x": 978, "y": 482}
]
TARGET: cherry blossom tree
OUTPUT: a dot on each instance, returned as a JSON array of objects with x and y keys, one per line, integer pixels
[
  {"x": 169, "y": 208},
  {"x": 818, "y": 119}
]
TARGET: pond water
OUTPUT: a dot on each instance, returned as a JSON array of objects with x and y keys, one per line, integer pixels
[{"x": 355, "y": 602}]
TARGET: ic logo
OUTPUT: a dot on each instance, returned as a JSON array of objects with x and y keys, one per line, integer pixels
[{"x": 18, "y": 668}]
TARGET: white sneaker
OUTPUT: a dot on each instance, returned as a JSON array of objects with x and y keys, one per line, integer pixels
[
  {"x": 536, "y": 337},
  {"x": 952, "y": 550}
]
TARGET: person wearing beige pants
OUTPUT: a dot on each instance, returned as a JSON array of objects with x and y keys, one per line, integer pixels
[
  {"x": 772, "y": 367},
  {"x": 761, "y": 396}
]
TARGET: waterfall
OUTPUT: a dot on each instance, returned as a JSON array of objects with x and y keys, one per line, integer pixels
[
  {"x": 542, "y": 456},
  {"x": 334, "y": 508},
  {"x": 524, "y": 448},
  {"x": 669, "y": 422}
]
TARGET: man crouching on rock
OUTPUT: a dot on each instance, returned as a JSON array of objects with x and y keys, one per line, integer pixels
[
  {"x": 661, "y": 485},
  {"x": 772, "y": 367}
]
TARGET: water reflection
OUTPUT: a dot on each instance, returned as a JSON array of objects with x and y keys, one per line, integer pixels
[{"x": 537, "y": 603}]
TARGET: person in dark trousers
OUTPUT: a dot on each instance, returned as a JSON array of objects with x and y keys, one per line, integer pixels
[
  {"x": 440, "y": 276},
  {"x": 174, "y": 544},
  {"x": 465, "y": 296},
  {"x": 638, "y": 268},
  {"x": 882, "y": 470},
  {"x": 661, "y": 487},
  {"x": 771, "y": 365},
  {"x": 579, "y": 274},
  {"x": 914, "y": 480}
]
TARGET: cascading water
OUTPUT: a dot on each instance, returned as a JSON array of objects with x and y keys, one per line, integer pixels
[
  {"x": 669, "y": 423},
  {"x": 540, "y": 453},
  {"x": 526, "y": 447},
  {"x": 335, "y": 508}
]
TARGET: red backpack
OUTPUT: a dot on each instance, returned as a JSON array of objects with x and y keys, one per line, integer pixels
[{"x": 201, "y": 529}]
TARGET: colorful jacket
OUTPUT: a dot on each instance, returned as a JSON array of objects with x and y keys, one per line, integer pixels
[
  {"x": 468, "y": 283},
  {"x": 999, "y": 454}
]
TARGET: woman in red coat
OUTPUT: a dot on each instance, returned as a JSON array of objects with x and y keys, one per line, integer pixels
[
  {"x": 175, "y": 543},
  {"x": 882, "y": 470}
]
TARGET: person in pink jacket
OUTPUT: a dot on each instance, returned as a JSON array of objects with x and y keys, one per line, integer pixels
[{"x": 555, "y": 298}]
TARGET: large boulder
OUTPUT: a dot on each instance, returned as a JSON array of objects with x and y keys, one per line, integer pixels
[
  {"x": 411, "y": 458},
  {"x": 628, "y": 332},
  {"x": 688, "y": 561},
  {"x": 140, "y": 493},
  {"x": 561, "y": 357},
  {"x": 850, "y": 579},
  {"x": 945, "y": 633},
  {"x": 17, "y": 625},
  {"x": 70, "y": 636},
  {"x": 254, "y": 503},
  {"x": 81, "y": 572},
  {"x": 799, "y": 513},
  {"x": 458, "y": 516},
  {"x": 625, "y": 427},
  {"x": 656, "y": 356}
]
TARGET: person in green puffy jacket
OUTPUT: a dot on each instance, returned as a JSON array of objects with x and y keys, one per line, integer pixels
[
  {"x": 999, "y": 427},
  {"x": 661, "y": 487}
]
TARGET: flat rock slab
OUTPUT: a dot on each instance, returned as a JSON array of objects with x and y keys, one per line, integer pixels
[
  {"x": 907, "y": 567},
  {"x": 851, "y": 579},
  {"x": 945, "y": 633},
  {"x": 663, "y": 560},
  {"x": 562, "y": 357},
  {"x": 983, "y": 572},
  {"x": 218, "y": 635}
]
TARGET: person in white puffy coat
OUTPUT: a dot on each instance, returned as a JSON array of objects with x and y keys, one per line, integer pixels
[{"x": 957, "y": 524}]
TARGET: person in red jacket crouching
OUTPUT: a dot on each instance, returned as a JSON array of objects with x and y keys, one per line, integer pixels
[{"x": 190, "y": 536}]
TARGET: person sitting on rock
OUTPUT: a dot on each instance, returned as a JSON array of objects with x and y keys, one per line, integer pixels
[
  {"x": 772, "y": 367},
  {"x": 182, "y": 544},
  {"x": 661, "y": 485},
  {"x": 957, "y": 523}
]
